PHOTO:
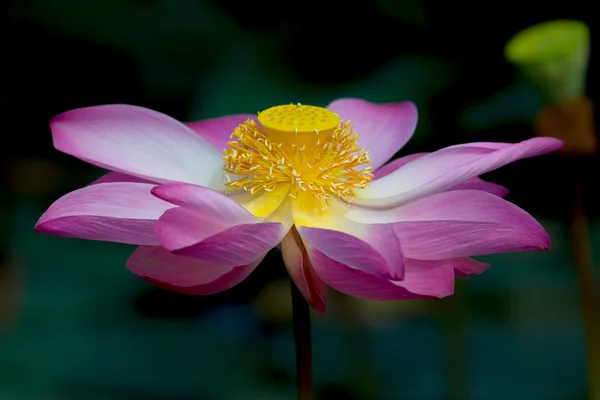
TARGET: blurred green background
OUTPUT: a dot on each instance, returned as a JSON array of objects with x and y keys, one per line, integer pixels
[{"x": 75, "y": 324}]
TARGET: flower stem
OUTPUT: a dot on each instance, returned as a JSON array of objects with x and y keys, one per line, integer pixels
[{"x": 303, "y": 344}]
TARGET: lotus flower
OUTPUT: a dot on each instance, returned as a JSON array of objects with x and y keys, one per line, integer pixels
[{"x": 205, "y": 201}]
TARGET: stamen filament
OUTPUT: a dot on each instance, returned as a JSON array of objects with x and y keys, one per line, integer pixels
[{"x": 331, "y": 167}]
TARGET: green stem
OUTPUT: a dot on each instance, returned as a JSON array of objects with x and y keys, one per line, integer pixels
[{"x": 303, "y": 344}]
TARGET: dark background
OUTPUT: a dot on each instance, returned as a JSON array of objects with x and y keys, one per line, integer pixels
[{"x": 75, "y": 324}]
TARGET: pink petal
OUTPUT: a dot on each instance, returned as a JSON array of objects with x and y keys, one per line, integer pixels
[
  {"x": 448, "y": 168},
  {"x": 237, "y": 245},
  {"x": 184, "y": 274},
  {"x": 120, "y": 177},
  {"x": 479, "y": 184},
  {"x": 383, "y": 128},
  {"x": 114, "y": 212},
  {"x": 371, "y": 248},
  {"x": 301, "y": 271},
  {"x": 468, "y": 267},
  {"x": 139, "y": 142},
  {"x": 422, "y": 279},
  {"x": 394, "y": 165},
  {"x": 465, "y": 223},
  {"x": 473, "y": 183},
  {"x": 187, "y": 232},
  {"x": 217, "y": 131},
  {"x": 210, "y": 204}
]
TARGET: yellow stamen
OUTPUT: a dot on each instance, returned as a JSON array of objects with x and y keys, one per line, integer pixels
[{"x": 306, "y": 146}]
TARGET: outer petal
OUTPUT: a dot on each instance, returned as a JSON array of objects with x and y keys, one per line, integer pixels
[
  {"x": 139, "y": 142},
  {"x": 115, "y": 212},
  {"x": 217, "y": 131},
  {"x": 422, "y": 279},
  {"x": 184, "y": 274},
  {"x": 457, "y": 224},
  {"x": 372, "y": 248},
  {"x": 383, "y": 128},
  {"x": 448, "y": 168},
  {"x": 377, "y": 251},
  {"x": 473, "y": 183},
  {"x": 188, "y": 233},
  {"x": 213, "y": 228},
  {"x": 301, "y": 271}
]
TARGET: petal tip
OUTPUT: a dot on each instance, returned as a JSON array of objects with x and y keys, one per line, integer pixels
[
  {"x": 546, "y": 245},
  {"x": 38, "y": 227},
  {"x": 165, "y": 191},
  {"x": 318, "y": 306},
  {"x": 410, "y": 107},
  {"x": 503, "y": 192},
  {"x": 62, "y": 117},
  {"x": 444, "y": 295},
  {"x": 158, "y": 191},
  {"x": 80, "y": 113},
  {"x": 58, "y": 136},
  {"x": 48, "y": 228},
  {"x": 447, "y": 291},
  {"x": 44, "y": 224},
  {"x": 395, "y": 274},
  {"x": 542, "y": 239},
  {"x": 552, "y": 143},
  {"x": 55, "y": 120}
]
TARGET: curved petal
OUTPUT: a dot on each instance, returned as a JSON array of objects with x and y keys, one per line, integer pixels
[
  {"x": 212, "y": 227},
  {"x": 301, "y": 271},
  {"x": 367, "y": 253},
  {"x": 371, "y": 248},
  {"x": 114, "y": 212},
  {"x": 383, "y": 128},
  {"x": 448, "y": 168},
  {"x": 472, "y": 184},
  {"x": 458, "y": 224},
  {"x": 184, "y": 274},
  {"x": 422, "y": 279},
  {"x": 210, "y": 204},
  {"x": 217, "y": 131},
  {"x": 139, "y": 142},
  {"x": 190, "y": 234},
  {"x": 395, "y": 164},
  {"x": 112, "y": 177}
]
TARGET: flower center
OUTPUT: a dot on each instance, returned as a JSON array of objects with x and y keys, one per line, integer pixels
[{"x": 306, "y": 146}]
